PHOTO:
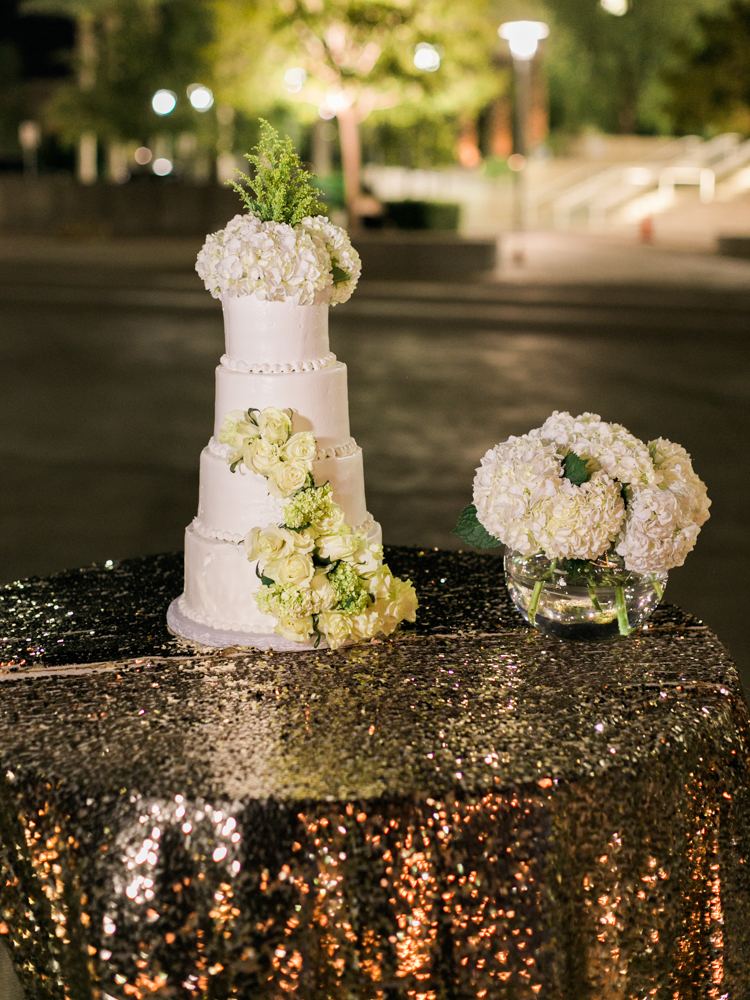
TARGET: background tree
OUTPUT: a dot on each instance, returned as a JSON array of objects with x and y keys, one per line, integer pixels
[
  {"x": 710, "y": 91},
  {"x": 125, "y": 51},
  {"x": 357, "y": 57},
  {"x": 608, "y": 71}
]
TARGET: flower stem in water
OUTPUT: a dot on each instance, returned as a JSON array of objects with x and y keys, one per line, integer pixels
[
  {"x": 656, "y": 584},
  {"x": 622, "y": 612},
  {"x": 534, "y": 602},
  {"x": 594, "y": 598}
]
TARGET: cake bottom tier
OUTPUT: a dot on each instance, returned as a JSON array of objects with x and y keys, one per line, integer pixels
[{"x": 220, "y": 583}]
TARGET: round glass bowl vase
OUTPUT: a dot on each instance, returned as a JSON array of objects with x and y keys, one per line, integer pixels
[{"x": 575, "y": 599}]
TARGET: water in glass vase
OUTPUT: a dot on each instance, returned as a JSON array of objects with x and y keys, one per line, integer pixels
[{"x": 577, "y": 599}]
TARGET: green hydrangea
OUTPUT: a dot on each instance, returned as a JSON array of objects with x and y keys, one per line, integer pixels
[
  {"x": 352, "y": 597},
  {"x": 283, "y": 600},
  {"x": 310, "y": 504}
]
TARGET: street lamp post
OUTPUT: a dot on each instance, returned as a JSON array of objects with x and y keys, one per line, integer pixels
[{"x": 523, "y": 38}]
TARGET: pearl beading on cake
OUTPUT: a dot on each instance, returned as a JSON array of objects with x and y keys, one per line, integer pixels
[
  {"x": 188, "y": 612},
  {"x": 338, "y": 451},
  {"x": 315, "y": 364},
  {"x": 229, "y": 536}
]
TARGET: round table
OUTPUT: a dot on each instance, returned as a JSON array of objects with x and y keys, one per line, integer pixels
[{"x": 467, "y": 809}]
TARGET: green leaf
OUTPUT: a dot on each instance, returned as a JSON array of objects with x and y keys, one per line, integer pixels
[
  {"x": 234, "y": 465},
  {"x": 576, "y": 469},
  {"x": 472, "y": 532},
  {"x": 339, "y": 275},
  {"x": 266, "y": 581}
]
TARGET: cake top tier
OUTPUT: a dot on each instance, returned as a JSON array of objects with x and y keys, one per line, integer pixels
[{"x": 281, "y": 250}]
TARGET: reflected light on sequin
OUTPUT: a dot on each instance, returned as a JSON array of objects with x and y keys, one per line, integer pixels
[{"x": 219, "y": 853}]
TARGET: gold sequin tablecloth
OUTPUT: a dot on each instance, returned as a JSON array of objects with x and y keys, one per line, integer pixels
[{"x": 469, "y": 809}]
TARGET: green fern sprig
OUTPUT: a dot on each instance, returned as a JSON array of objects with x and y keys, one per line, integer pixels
[{"x": 280, "y": 190}]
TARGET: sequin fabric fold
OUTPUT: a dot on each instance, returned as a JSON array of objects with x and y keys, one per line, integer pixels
[{"x": 467, "y": 809}]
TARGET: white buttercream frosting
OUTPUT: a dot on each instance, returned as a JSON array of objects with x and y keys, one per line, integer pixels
[
  {"x": 266, "y": 368},
  {"x": 275, "y": 336},
  {"x": 319, "y": 399}
]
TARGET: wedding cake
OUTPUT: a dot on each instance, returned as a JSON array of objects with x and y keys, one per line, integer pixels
[{"x": 283, "y": 552}]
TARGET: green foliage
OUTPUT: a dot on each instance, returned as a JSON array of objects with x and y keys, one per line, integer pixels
[
  {"x": 280, "y": 190},
  {"x": 364, "y": 48},
  {"x": 139, "y": 47},
  {"x": 575, "y": 469},
  {"x": 472, "y": 532},
  {"x": 606, "y": 71},
  {"x": 710, "y": 91}
]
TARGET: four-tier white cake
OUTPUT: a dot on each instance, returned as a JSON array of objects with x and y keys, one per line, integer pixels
[{"x": 277, "y": 355}]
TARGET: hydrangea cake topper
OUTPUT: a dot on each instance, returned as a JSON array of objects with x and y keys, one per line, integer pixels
[
  {"x": 591, "y": 498},
  {"x": 284, "y": 248}
]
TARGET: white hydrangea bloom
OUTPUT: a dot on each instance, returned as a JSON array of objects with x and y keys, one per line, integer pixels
[
  {"x": 610, "y": 447},
  {"x": 336, "y": 243},
  {"x": 512, "y": 488},
  {"x": 277, "y": 262},
  {"x": 663, "y": 522},
  {"x": 583, "y": 521},
  {"x": 654, "y": 540},
  {"x": 673, "y": 463},
  {"x": 524, "y": 499}
]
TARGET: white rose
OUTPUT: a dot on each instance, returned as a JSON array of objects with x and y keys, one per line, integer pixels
[
  {"x": 300, "y": 447},
  {"x": 368, "y": 558},
  {"x": 294, "y": 629},
  {"x": 367, "y": 624},
  {"x": 304, "y": 540},
  {"x": 297, "y": 569},
  {"x": 323, "y": 595},
  {"x": 402, "y": 601},
  {"x": 287, "y": 477},
  {"x": 339, "y": 546},
  {"x": 262, "y": 456},
  {"x": 274, "y": 425},
  {"x": 386, "y": 623},
  {"x": 380, "y": 583},
  {"x": 330, "y": 522},
  {"x": 269, "y": 543},
  {"x": 336, "y": 626}
]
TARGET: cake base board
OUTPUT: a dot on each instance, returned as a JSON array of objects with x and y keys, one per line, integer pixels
[{"x": 204, "y": 635}]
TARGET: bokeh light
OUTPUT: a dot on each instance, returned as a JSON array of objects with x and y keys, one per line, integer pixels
[
  {"x": 200, "y": 97},
  {"x": 294, "y": 80},
  {"x": 162, "y": 166},
  {"x": 427, "y": 57},
  {"x": 164, "y": 102},
  {"x": 616, "y": 7},
  {"x": 523, "y": 37},
  {"x": 142, "y": 155}
]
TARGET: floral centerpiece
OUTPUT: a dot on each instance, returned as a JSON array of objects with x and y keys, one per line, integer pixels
[
  {"x": 593, "y": 519},
  {"x": 319, "y": 576},
  {"x": 284, "y": 248}
]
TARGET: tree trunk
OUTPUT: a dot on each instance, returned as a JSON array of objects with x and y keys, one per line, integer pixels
[
  {"x": 351, "y": 159},
  {"x": 86, "y": 166},
  {"x": 86, "y": 54},
  {"x": 86, "y": 51}
]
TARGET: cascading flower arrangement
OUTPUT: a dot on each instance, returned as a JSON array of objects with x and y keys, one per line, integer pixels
[
  {"x": 319, "y": 576},
  {"x": 284, "y": 248},
  {"x": 591, "y": 498}
]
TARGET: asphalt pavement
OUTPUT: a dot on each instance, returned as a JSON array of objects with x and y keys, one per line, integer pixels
[{"x": 107, "y": 352}]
